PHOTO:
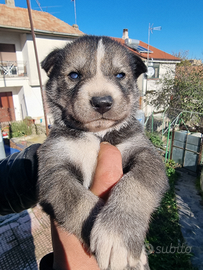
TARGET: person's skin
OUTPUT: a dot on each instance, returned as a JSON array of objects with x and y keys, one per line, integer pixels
[{"x": 69, "y": 253}]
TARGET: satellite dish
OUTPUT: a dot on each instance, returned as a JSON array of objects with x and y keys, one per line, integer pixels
[{"x": 150, "y": 71}]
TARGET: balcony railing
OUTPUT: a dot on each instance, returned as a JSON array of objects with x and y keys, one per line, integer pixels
[{"x": 12, "y": 68}]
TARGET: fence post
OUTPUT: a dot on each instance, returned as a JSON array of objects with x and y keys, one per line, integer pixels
[
  {"x": 2, "y": 150},
  {"x": 172, "y": 142},
  {"x": 152, "y": 122},
  {"x": 169, "y": 127},
  {"x": 162, "y": 132}
]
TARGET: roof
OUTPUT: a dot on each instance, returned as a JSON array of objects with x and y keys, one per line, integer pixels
[
  {"x": 17, "y": 18},
  {"x": 156, "y": 53}
]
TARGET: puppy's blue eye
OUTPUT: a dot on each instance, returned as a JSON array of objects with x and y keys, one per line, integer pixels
[
  {"x": 120, "y": 75},
  {"x": 74, "y": 75}
]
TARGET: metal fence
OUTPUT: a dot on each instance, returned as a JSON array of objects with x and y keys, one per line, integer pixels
[
  {"x": 167, "y": 123},
  {"x": 187, "y": 149},
  {"x": 13, "y": 68}
]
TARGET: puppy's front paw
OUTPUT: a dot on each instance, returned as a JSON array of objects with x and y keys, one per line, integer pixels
[{"x": 110, "y": 249}]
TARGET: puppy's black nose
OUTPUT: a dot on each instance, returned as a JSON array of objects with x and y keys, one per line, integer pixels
[{"x": 102, "y": 104}]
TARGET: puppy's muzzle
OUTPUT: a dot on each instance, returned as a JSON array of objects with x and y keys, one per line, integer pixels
[{"x": 102, "y": 104}]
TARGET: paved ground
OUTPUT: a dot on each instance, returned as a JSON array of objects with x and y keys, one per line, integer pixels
[
  {"x": 26, "y": 141},
  {"x": 191, "y": 216},
  {"x": 25, "y": 239}
]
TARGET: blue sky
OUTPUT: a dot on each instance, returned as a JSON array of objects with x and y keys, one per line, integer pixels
[{"x": 181, "y": 20}]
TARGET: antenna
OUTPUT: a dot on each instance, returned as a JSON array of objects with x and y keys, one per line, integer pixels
[
  {"x": 38, "y": 3},
  {"x": 75, "y": 10},
  {"x": 150, "y": 30}
]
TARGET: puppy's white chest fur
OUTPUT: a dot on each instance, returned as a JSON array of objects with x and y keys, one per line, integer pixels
[{"x": 83, "y": 154}]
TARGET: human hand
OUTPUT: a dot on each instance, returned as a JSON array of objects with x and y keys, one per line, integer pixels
[{"x": 69, "y": 253}]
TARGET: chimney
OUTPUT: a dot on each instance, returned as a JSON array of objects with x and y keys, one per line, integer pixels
[
  {"x": 75, "y": 26},
  {"x": 125, "y": 34},
  {"x": 10, "y": 3}
]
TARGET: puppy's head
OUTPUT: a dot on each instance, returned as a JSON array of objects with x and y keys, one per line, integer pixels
[{"x": 92, "y": 83}]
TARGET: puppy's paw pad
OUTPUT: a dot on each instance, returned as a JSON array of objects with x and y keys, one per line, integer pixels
[
  {"x": 110, "y": 250},
  {"x": 132, "y": 262}
]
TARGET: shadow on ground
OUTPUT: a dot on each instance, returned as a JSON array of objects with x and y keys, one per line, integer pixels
[
  {"x": 17, "y": 249},
  {"x": 25, "y": 239},
  {"x": 190, "y": 213}
]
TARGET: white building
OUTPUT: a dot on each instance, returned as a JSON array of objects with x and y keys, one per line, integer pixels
[
  {"x": 159, "y": 63},
  {"x": 20, "y": 94}
]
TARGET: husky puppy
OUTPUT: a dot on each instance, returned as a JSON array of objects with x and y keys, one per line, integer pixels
[{"x": 93, "y": 95}]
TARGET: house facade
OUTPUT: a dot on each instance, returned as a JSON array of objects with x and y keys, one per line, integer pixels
[
  {"x": 158, "y": 62},
  {"x": 20, "y": 94}
]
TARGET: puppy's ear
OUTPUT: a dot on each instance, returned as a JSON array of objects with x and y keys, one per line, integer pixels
[
  {"x": 48, "y": 63},
  {"x": 138, "y": 66}
]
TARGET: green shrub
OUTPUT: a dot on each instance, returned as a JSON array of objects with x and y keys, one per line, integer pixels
[
  {"x": 155, "y": 139},
  {"x": 170, "y": 168},
  {"x": 20, "y": 128}
]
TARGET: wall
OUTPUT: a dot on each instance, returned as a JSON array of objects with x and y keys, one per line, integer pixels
[
  {"x": 34, "y": 101},
  {"x": 155, "y": 85},
  {"x": 22, "y": 102},
  {"x": 10, "y": 37},
  {"x": 25, "y": 89},
  {"x": 45, "y": 44}
]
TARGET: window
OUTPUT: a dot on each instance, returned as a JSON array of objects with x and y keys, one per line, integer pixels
[
  {"x": 7, "y": 52},
  {"x": 8, "y": 64},
  {"x": 156, "y": 71},
  {"x": 153, "y": 71}
]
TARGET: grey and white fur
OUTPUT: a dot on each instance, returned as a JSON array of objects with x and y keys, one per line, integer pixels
[{"x": 93, "y": 95}]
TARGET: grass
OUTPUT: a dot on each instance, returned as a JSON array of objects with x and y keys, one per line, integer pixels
[{"x": 165, "y": 243}]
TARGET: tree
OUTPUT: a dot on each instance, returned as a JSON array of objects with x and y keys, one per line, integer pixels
[{"x": 180, "y": 90}]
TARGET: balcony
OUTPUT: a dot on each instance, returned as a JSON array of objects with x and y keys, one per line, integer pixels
[{"x": 13, "y": 69}]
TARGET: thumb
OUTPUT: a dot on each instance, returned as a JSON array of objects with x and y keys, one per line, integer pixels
[{"x": 108, "y": 171}]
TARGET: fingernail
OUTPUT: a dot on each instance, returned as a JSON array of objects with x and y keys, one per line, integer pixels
[{"x": 105, "y": 142}]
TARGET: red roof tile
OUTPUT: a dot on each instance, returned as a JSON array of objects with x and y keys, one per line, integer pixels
[
  {"x": 156, "y": 53},
  {"x": 16, "y": 17}
]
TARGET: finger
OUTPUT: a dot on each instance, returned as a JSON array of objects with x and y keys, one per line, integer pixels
[{"x": 108, "y": 171}]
